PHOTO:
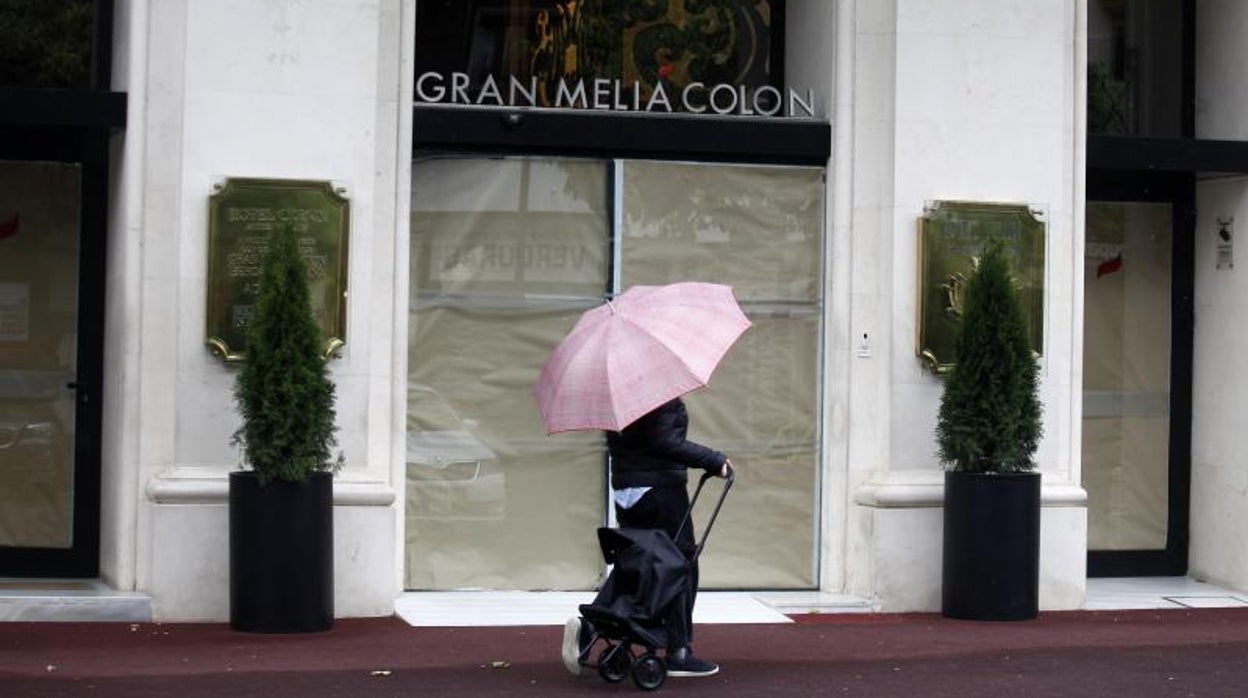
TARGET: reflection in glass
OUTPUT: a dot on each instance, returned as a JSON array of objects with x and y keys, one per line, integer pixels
[
  {"x": 1135, "y": 67},
  {"x": 38, "y": 344},
  {"x": 1126, "y": 375},
  {"x": 46, "y": 43},
  {"x": 648, "y": 43}
]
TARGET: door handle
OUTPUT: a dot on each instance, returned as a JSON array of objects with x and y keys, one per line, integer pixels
[{"x": 83, "y": 396}]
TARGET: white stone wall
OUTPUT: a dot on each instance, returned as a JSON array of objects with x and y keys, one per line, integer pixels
[
  {"x": 967, "y": 100},
  {"x": 301, "y": 89},
  {"x": 1219, "y": 495}
]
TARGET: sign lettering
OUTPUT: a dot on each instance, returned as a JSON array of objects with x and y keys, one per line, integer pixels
[{"x": 616, "y": 95}]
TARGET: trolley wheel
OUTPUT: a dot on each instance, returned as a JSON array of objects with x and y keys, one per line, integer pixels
[
  {"x": 649, "y": 672},
  {"x": 614, "y": 663}
]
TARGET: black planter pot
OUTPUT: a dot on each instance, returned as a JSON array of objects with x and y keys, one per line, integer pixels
[
  {"x": 991, "y": 554},
  {"x": 281, "y": 554}
]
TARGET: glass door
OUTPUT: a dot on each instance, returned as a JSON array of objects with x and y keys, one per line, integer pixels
[
  {"x": 48, "y": 504},
  {"x": 1136, "y": 384},
  {"x": 758, "y": 228},
  {"x": 60, "y": 118}
]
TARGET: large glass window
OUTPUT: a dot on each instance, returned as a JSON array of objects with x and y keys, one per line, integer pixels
[
  {"x": 505, "y": 255},
  {"x": 1135, "y": 67},
  {"x": 46, "y": 44},
  {"x": 647, "y": 43},
  {"x": 760, "y": 230}
]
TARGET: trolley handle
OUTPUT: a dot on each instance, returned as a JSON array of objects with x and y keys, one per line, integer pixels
[{"x": 732, "y": 476}]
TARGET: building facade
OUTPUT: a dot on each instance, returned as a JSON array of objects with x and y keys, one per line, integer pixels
[{"x": 508, "y": 165}]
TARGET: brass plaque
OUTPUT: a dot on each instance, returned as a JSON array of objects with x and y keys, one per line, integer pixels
[
  {"x": 952, "y": 234},
  {"x": 242, "y": 214}
]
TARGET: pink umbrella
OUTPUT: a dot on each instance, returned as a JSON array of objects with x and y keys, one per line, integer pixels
[{"x": 627, "y": 357}]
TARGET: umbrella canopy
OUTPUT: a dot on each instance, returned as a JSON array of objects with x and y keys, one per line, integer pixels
[{"x": 630, "y": 355}]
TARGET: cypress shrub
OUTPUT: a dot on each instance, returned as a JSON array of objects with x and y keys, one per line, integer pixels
[
  {"x": 989, "y": 419},
  {"x": 283, "y": 391}
]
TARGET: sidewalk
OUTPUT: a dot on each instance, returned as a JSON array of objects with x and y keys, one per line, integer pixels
[{"x": 1196, "y": 652}]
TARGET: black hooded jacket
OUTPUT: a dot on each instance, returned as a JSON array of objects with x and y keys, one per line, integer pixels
[{"x": 653, "y": 451}]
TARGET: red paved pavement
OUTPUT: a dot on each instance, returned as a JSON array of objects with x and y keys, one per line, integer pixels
[{"x": 1137, "y": 653}]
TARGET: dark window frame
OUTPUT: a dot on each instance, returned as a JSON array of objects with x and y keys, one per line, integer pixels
[
  {"x": 1177, "y": 189},
  {"x": 440, "y": 128},
  {"x": 1185, "y": 154},
  {"x": 93, "y": 108},
  {"x": 579, "y": 133},
  {"x": 75, "y": 126}
]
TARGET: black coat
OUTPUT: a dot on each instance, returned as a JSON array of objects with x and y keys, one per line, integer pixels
[{"x": 653, "y": 451}]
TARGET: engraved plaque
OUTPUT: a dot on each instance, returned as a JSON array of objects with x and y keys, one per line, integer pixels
[
  {"x": 242, "y": 214},
  {"x": 952, "y": 235}
]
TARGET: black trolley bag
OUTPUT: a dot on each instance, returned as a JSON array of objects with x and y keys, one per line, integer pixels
[{"x": 648, "y": 576}]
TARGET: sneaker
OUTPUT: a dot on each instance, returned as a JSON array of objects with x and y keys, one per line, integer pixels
[
  {"x": 683, "y": 663},
  {"x": 576, "y": 639}
]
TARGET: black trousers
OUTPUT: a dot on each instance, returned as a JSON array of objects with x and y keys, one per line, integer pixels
[{"x": 665, "y": 508}]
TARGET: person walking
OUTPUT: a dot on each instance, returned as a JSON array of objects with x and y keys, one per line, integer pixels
[{"x": 650, "y": 459}]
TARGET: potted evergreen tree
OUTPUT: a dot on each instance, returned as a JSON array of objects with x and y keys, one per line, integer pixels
[
  {"x": 281, "y": 505},
  {"x": 987, "y": 433}
]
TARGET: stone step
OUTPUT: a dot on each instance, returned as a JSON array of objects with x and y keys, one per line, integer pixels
[
  {"x": 813, "y": 602},
  {"x": 64, "y": 600}
]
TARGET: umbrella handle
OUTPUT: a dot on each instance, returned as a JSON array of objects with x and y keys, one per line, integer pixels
[{"x": 732, "y": 476}]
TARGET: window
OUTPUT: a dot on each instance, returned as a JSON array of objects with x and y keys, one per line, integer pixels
[
  {"x": 506, "y": 253},
  {"x": 47, "y": 44},
  {"x": 1135, "y": 67},
  {"x": 650, "y": 44}
]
